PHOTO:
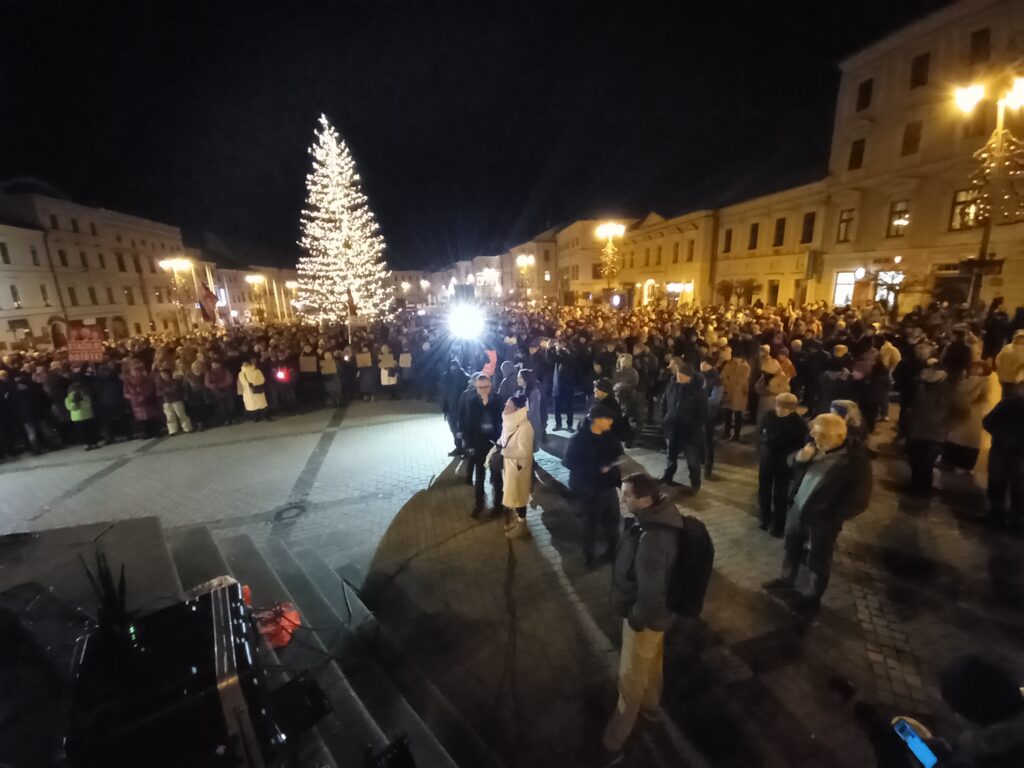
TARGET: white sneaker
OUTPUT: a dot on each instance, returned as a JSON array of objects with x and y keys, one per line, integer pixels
[{"x": 518, "y": 531}]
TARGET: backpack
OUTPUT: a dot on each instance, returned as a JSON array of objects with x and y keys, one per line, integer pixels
[{"x": 691, "y": 573}]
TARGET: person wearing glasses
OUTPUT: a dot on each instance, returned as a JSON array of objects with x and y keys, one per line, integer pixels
[{"x": 480, "y": 426}]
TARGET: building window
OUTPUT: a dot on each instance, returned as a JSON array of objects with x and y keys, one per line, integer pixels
[
  {"x": 919, "y": 70},
  {"x": 727, "y": 240},
  {"x": 981, "y": 46},
  {"x": 16, "y": 297},
  {"x": 84, "y": 258},
  {"x": 690, "y": 245},
  {"x": 657, "y": 257},
  {"x": 547, "y": 276},
  {"x": 45, "y": 294},
  {"x": 807, "y": 230},
  {"x": 675, "y": 253},
  {"x": 72, "y": 296},
  {"x": 135, "y": 262},
  {"x": 864, "y": 91},
  {"x": 965, "y": 209},
  {"x": 5, "y": 255},
  {"x": 899, "y": 218},
  {"x": 752, "y": 236},
  {"x": 138, "y": 327},
  {"x": 843, "y": 293},
  {"x": 63, "y": 258},
  {"x": 92, "y": 228},
  {"x": 911, "y": 138},
  {"x": 74, "y": 226},
  {"x": 575, "y": 276},
  {"x": 102, "y": 260},
  {"x": 547, "y": 255},
  {"x": 845, "y": 225},
  {"x": 120, "y": 262},
  {"x": 856, "y": 155},
  {"x": 647, "y": 257},
  {"x": 159, "y": 296},
  {"x": 780, "y": 233},
  {"x": 54, "y": 221},
  {"x": 92, "y": 296},
  {"x": 632, "y": 263},
  {"x": 110, "y": 295},
  {"x": 129, "y": 295},
  {"x": 152, "y": 266},
  {"x": 595, "y": 271},
  {"x": 35, "y": 255}
]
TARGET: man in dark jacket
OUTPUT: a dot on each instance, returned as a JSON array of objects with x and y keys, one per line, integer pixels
[
  {"x": 31, "y": 408},
  {"x": 592, "y": 458},
  {"x": 453, "y": 384},
  {"x": 1005, "y": 423},
  {"x": 641, "y": 574},
  {"x": 565, "y": 373},
  {"x": 835, "y": 487},
  {"x": 782, "y": 433},
  {"x": 480, "y": 426},
  {"x": 604, "y": 394},
  {"x": 684, "y": 412}
]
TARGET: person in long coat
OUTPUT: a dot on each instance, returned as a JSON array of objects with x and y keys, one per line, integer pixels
[
  {"x": 251, "y": 386},
  {"x": 972, "y": 399},
  {"x": 516, "y": 446},
  {"x": 735, "y": 389},
  {"x": 453, "y": 384},
  {"x": 928, "y": 425}
]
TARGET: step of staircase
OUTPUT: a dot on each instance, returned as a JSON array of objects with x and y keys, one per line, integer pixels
[
  {"x": 458, "y": 738},
  {"x": 382, "y": 699},
  {"x": 347, "y": 732}
]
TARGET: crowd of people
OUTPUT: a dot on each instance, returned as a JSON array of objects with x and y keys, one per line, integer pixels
[{"x": 807, "y": 385}]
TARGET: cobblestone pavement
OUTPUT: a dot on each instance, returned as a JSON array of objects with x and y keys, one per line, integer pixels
[{"x": 522, "y": 638}]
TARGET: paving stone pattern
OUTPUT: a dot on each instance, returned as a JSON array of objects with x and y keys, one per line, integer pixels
[{"x": 523, "y": 639}]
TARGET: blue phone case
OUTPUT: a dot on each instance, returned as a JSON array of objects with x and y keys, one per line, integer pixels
[{"x": 915, "y": 743}]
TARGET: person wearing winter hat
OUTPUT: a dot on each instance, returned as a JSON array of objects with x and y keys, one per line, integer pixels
[
  {"x": 604, "y": 395},
  {"x": 772, "y": 382},
  {"x": 1010, "y": 363}
]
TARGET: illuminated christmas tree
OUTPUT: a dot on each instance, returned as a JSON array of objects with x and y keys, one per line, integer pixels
[
  {"x": 999, "y": 179},
  {"x": 343, "y": 245}
]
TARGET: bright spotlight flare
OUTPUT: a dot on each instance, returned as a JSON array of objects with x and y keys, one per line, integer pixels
[{"x": 466, "y": 321}]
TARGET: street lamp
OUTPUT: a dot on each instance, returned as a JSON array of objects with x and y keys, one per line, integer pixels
[
  {"x": 258, "y": 282},
  {"x": 176, "y": 266},
  {"x": 524, "y": 261},
  {"x": 1000, "y": 151},
  {"x": 609, "y": 230}
]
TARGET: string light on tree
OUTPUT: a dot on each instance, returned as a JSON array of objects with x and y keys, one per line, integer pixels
[{"x": 342, "y": 242}]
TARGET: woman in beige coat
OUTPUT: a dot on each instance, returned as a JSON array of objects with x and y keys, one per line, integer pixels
[
  {"x": 735, "y": 392},
  {"x": 252, "y": 388},
  {"x": 516, "y": 445},
  {"x": 973, "y": 399}
]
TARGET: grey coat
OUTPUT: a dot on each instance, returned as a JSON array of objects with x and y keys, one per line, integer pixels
[
  {"x": 641, "y": 572},
  {"x": 834, "y": 488}
]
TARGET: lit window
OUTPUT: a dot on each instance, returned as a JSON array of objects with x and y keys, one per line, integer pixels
[
  {"x": 16, "y": 297},
  {"x": 899, "y": 218},
  {"x": 843, "y": 293},
  {"x": 844, "y": 233},
  {"x": 965, "y": 209},
  {"x": 886, "y": 286},
  {"x": 547, "y": 276}
]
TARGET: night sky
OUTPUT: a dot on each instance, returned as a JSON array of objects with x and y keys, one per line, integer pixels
[{"x": 474, "y": 125}]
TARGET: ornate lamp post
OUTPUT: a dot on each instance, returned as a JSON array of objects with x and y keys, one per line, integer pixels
[
  {"x": 177, "y": 267},
  {"x": 258, "y": 282},
  {"x": 1002, "y": 162},
  {"x": 524, "y": 261},
  {"x": 609, "y": 230}
]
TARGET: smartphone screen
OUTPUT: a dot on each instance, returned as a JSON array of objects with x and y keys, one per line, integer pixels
[{"x": 915, "y": 743}]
